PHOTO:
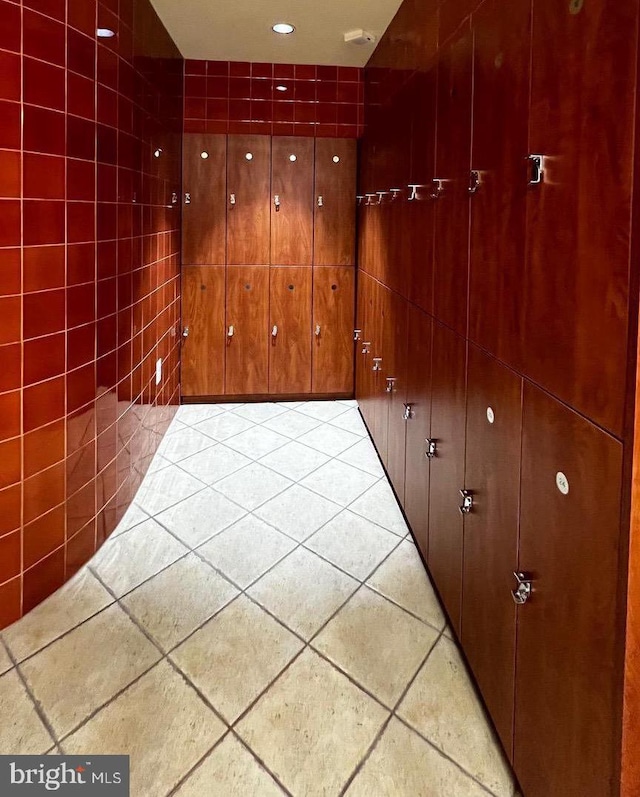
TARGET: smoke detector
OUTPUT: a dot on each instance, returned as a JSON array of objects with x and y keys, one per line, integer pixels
[{"x": 359, "y": 37}]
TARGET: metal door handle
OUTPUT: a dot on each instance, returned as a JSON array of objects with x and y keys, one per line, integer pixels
[
  {"x": 408, "y": 412},
  {"x": 474, "y": 181},
  {"x": 232, "y": 199},
  {"x": 185, "y": 332},
  {"x": 187, "y": 198},
  {"x": 537, "y": 169},
  {"x": 276, "y": 202},
  {"x": 274, "y": 331},
  {"x": 390, "y": 383},
  {"x": 317, "y": 333},
  {"x": 231, "y": 332},
  {"x": 320, "y": 201},
  {"x": 467, "y": 501},
  {"x": 432, "y": 448},
  {"x": 522, "y": 592}
]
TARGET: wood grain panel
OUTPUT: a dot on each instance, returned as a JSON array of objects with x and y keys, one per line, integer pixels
[
  {"x": 335, "y": 220},
  {"x": 204, "y": 218},
  {"x": 203, "y": 313},
  {"x": 290, "y": 349},
  {"x": 416, "y": 502},
  {"x": 364, "y": 321},
  {"x": 566, "y": 681},
  {"x": 292, "y": 168},
  {"x": 451, "y": 253},
  {"x": 447, "y": 468},
  {"x": 249, "y": 219},
  {"x": 576, "y": 276},
  {"x": 494, "y": 426},
  {"x": 333, "y": 313},
  {"x": 502, "y": 36},
  {"x": 395, "y": 367},
  {"x": 248, "y": 312}
]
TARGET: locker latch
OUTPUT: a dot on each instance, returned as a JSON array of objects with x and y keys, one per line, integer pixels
[
  {"x": 274, "y": 333},
  {"x": 467, "y": 501},
  {"x": 230, "y": 333},
  {"x": 522, "y": 592},
  {"x": 174, "y": 198},
  {"x": 356, "y": 334},
  {"x": 474, "y": 181},
  {"x": 185, "y": 332},
  {"x": 317, "y": 330},
  {"x": 432, "y": 447},
  {"x": 537, "y": 169},
  {"x": 408, "y": 412},
  {"x": 187, "y": 199},
  {"x": 377, "y": 364},
  {"x": 232, "y": 200},
  {"x": 276, "y": 202},
  {"x": 390, "y": 383},
  {"x": 320, "y": 201}
]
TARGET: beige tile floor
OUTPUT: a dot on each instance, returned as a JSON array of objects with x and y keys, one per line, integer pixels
[{"x": 259, "y": 624}]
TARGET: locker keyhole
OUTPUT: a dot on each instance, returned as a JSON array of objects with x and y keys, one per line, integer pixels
[
  {"x": 203, "y": 287},
  {"x": 290, "y": 287},
  {"x": 247, "y": 287},
  {"x": 334, "y": 287}
]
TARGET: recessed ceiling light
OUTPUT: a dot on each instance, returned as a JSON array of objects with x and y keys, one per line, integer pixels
[
  {"x": 105, "y": 33},
  {"x": 283, "y": 27},
  {"x": 281, "y": 88}
]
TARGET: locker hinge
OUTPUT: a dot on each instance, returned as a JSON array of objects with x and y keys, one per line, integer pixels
[
  {"x": 522, "y": 592},
  {"x": 537, "y": 169},
  {"x": 432, "y": 448},
  {"x": 467, "y": 501}
]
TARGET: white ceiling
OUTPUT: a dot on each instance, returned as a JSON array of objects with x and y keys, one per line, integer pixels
[{"x": 240, "y": 30}]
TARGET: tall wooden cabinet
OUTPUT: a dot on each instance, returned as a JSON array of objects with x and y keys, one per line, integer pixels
[
  {"x": 498, "y": 302},
  {"x": 269, "y": 266}
]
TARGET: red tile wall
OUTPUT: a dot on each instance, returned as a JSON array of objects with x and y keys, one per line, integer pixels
[
  {"x": 89, "y": 277},
  {"x": 239, "y": 97}
]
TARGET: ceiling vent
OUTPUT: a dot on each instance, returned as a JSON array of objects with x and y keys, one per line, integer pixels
[{"x": 359, "y": 37}]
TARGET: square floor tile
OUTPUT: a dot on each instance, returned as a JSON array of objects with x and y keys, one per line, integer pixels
[
  {"x": 197, "y": 519},
  {"x": 329, "y": 439},
  {"x": 131, "y": 558},
  {"x": 312, "y": 727},
  {"x": 256, "y": 442},
  {"x": 21, "y": 729},
  {"x": 252, "y": 486},
  {"x": 213, "y": 464},
  {"x": 192, "y": 414},
  {"x": 351, "y": 421},
  {"x": 403, "y": 579},
  {"x": 443, "y": 706},
  {"x": 160, "y": 722},
  {"x": 183, "y": 444},
  {"x": 303, "y": 591},
  {"x": 74, "y": 602},
  {"x": 363, "y": 455},
  {"x": 322, "y": 410},
  {"x": 236, "y": 655},
  {"x": 232, "y": 771},
  {"x": 292, "y": 424},
  {"x": 379, "y": 505},
  {"x": 70, "y": 679},
  {"x": 180, "y": 599},
  {"x": 377, "y": 644},
  {"x": 404, "y": 765},
  {"x": 260, "y": 411},
  {"x": 244, "y": 551},
  {"x": 298, "y": 512},
  {"x": 353, "y": 543},
  {"x": 294, "y": 460},
  {"x": 224, "y": 426},
  {"x": 165, "y": 488},
  {"x": 131, "y": 518},
  {"x": 339, "y": 482}
]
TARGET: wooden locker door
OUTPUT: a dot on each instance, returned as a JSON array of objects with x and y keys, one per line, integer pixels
[
  {"x": 204, "y": 209},
  {"x": 333, "y": 324},
  {"x": 451, "y": 251},
  {"x": 567, "y": 673},
  {"x": 395, "y": 368},
  {"x": 292, "y": 166},
  {"x": 502, "y": 45},
  {"x": 334, "y": 241},
  {"x": 416, "y": 502},
  {"x": 448, "y": 407},
  {"x": 203, "y": 350},
  {"x": 248, "y": 322},
  {"x": 290, "y": 345},
  {"x": 576, "y": 275},
  {"x": 364, "y": 347},
  {"x": 379, "y": 347},
  {"x": 492, "y": 474},
  {"x": 249, "y": 200}
]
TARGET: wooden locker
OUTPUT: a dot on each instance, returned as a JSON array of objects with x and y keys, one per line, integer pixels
[
  {"x": 363, "y": 358},
  {"x": 333, "y": 325},
  {"x": 395, "y": 368},
  {"x": 379, "y": 346},
  {"x": 247, "y": 339},
  {"x": 334, "y": 240},
  {"x": 203, "y": 315},
  {"x": 451, "y": 252},
  {"x": 502, "y": 49},
  {"x": 567, "y": 677},
  {"x": 575, "y": 280},
  {"x": 492, "y": 474},
  {"x": 290, "y": 325},
  {"x": 416, "y": 502},
  {"x": 447, "y": 467},
  {"x": 249, "y": 200},
  {"x": 292, "y": 166},
  {"x": 204, "y": 208}
]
